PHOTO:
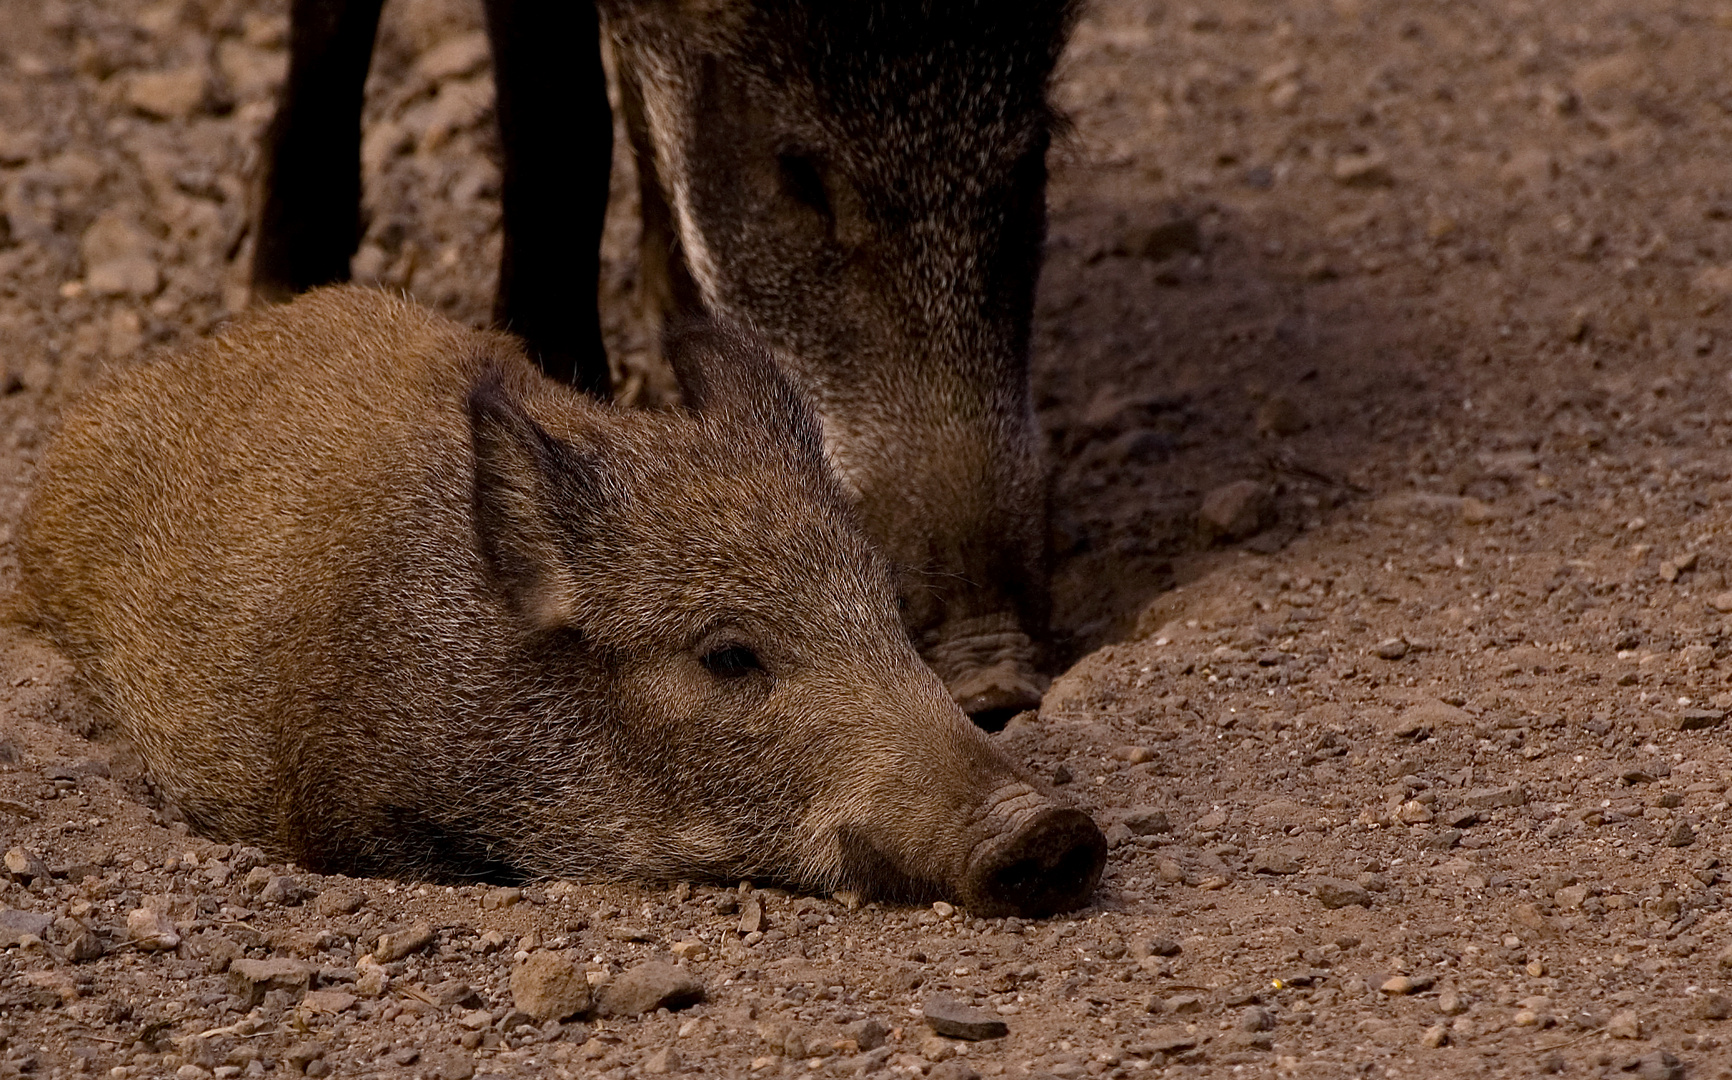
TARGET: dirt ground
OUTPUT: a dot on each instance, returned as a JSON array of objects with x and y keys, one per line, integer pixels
[{"x": 1423, "y": 774}]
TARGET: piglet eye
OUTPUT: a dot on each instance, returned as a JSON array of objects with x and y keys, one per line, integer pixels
[{"x": 732, "y": 661}]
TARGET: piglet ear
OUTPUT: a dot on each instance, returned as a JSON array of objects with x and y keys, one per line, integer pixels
[
  {"x": 726, "y": 372},
  {"x": 535, "y": 501}
]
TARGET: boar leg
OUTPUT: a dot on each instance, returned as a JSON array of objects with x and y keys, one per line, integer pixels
[
  {"x": 556, "y": 131},
  {"x": 309, "y": 203}
]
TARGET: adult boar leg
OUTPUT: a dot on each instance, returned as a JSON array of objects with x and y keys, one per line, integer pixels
[
  {"x": 309, "y": 203},
  {"x": 556, "y": 131}
]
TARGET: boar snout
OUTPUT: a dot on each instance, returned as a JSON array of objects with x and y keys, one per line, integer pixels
[
  {"x": 1050, "y": 862},
  {"x": 987, "y": 664}
]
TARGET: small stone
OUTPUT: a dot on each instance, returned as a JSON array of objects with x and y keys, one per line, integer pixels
[
  {"x": 550, "y": 986},
  {"x": 1491, "y": 798},
  {"x": 168, "y": 95},
  {"x": 1722, "y": 602},
  {"x": 283, "y": 890},
  {"x": 1391, "y": 649},
  {"x": 371, "y": 978},
  {"x": 1334, "y": 893},
  {"x": 128, "y": 275},
  {"x": 663, "y": 1061},
  {"x": 1700, "y": 719},
  {"x": 1682, "y": 835},
  {"x": 448, "y": 1066},
  {"x": 334, "y": 902},
  {"x": 1158, "y": 946},
  {"x": 1659, "y": 1065},
  {"x": 1280, "y": 417},
  {"x": 153, "y": 930},
  {"x": 694, "y": 950},
  {"x": 454, "y": 992},
  {"x": 1571, "y": 897},
  {"x": 1624, "y": 1024},
  {"x": 1713, "y": 1006},
  {"x": 250, "y": 980},
  {"x": 395, "y": 946},
  {"x": 302, "y": 1054},
  {"x": 1135, "y": 755},
  {"x": 1061, "y": 775},
  {"x": 1364, "y": 170},
  {"x": 25, "y": 866},
  {"x": 495, "y": 899},
  {"x": 652, "y": 985},
  {"x": 1274, "y": 861},
  {"x": 752, "y": 916},
  {"x": 1435, "y": 1036},
  {"x": 947, "y": 1016},
  {"x": 1182, "y": 1004},
  {"x": 1235, "y": 511},
  {"x": 1169, "y": 1039},
  {"x": 1162, "y": 240},
  {"x": 327, "y": 1002},
  {"x": 943, "y": 910},
  {"x": 953, "y": 1069},
  {"x": 1256, "y": 1018},
  {"x": 1414, "y": 812},
  {"x": 1402, "y": 985},
  {"x": 1451, "y": 1002},
  {"x": 933, "y": 1048},
  {"x": 867, "y": 1034},
  {"x": 1170, "y": 871}
]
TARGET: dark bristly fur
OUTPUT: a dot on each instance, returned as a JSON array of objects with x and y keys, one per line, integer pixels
[
  {"x": 366, "y": 590},
  {"x": 863, "y": 183}
]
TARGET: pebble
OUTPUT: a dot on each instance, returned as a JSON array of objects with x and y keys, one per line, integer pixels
[
  {"x": 867, "y": 1034},
  {"x": 1363, "y": 170},
  {"x": 1334, "y": 893},
  {"x": 953, "y": 1069},
  {"x": 25, "y": 866},
  {"x": 1624, "y": 1024},
  {"x": 1700, "y": 719},
  {"x": 550, "y": 986},
  {"x": 947, "y": 1016},
  {"x": 1391, "y": 649},
  {"x": 1658, "y": 1065},
  {"x": 1435, "y": 1036},
  {"x": 371, "y": 978},
  {"x": 752, "y": 916},
  {"x": 1274, "y": 861},
  {"x": 1256, "y": 1018},
  {"x": 1414, "y": 812},
  {"x": 168, "y": 95},
  {"x": 494, "y": 899},
  {"x": 662, "y": 1061},
  {"x": 1713, "y": 1006},
  {"x": 153, "y": 930},
  {"x": 1494, "y": 797},
  {"x": 652, "y": 985},
  {"x": 394, "y": 947},
  {"x": 250, "y": 980},
  {"x": 1682, "y": 835},
  {"x": 1235, "y": 511},
  {"x": 335, "y": 902}
]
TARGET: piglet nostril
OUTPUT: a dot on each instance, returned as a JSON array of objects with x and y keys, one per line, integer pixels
[{"x": 1051, "y": 863}]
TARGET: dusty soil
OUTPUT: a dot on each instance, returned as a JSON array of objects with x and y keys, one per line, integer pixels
[{"x": 1425, "y": 774}]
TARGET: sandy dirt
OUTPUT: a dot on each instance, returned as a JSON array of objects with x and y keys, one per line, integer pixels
[{"x": 1384, "y": 352}]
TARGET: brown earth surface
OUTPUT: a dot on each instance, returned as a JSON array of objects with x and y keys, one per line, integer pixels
[{"x": 1414, "y": 762}]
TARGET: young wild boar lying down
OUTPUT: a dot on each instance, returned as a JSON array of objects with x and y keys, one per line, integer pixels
[{"x": 366, "y": 590}]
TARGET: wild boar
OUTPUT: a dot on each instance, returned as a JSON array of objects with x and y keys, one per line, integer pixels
[
  {"x": 862, "y": 183},
  {"x": 367, "y": 590}
]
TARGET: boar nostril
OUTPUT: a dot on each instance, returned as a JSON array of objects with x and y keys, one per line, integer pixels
[{"x": 1051, "y": 864}]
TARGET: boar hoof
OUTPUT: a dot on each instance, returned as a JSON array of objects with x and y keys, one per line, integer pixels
[
  {"x": 1050, "y": 864},
  {"x": 987, "y": 664},
  {"x": 991, "y": 696}
]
